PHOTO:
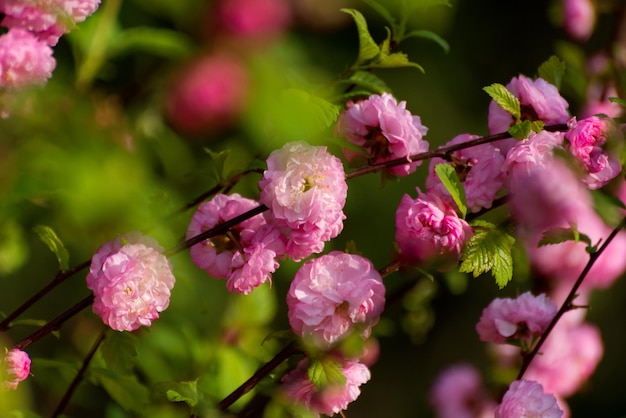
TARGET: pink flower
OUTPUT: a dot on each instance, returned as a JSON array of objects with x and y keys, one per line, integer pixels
[
  {"x": 597, "y": 101},
  {"x": 207, "y": 94},
  {"x": 579, "y": 18},
  {"x": 569, "y": 357},
  {"x": 587, "y": 139},
  {"x": 526, "y": 398},
  {"x": 458, "y": 392},
  {"x": 16, "y": 368},
  {"x": 540, "y": 100},
  {"x": 47, "y": 19},
  {"x": 385, "y": 129},
  {"x": 254, "y": 19},
  {"x": 24, "y": 60},
  {"x": 328, "y": 400},
  {"x": 246, "y": 256},
  {"x": 523, "y": 318},
  {"x": 535, "y": 151},
  {"x": 333, "y": 295},
  {"x": 480, "y": 170},
  {"x": 131, "y": 280},
  {"x": 428, "y": 229},
  {"x": 305, "y": 189}
]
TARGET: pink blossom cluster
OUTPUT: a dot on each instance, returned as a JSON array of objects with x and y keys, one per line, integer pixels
[
  {"x": 526, "y": 398},
  {"x": 131, "y": 281},
  {"x": 334, "y": 295},
  {"x": 458, "y": 392},
  {"x": 328, "y": 400},
  {"x": 521, "y": 319},
  {"x": 34, "y": 27},
  {"x": 385, "y": 129},
  {"x": 247, "y": 255},
  {"x": 253, "y": 20},
  {"x": 16, "y": 368},
  {"x": 305, "y": 189},
  {"x": 429, "y": 230},
  {"x": 479, "y": 169}
]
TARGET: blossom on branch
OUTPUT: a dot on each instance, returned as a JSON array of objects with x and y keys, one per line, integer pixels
[
  {"x": 16, "y": 368},
  {"x": 305, "y": 189},
  {"x": 131, "y": 281},
  {"x": 385, "y": 129},
  {"x": 334, "y": 295},
  {"x": 523, "y": 318},
  {"x": 429, "y": 230},
  {"x": 24, "y": 60},
  {"x": 526, "y": 398}
]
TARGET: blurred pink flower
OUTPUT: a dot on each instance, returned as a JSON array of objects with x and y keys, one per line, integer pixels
[
  {"x": 333, "y": 295},
  {"x": 385, "y": 129},
  {"x": 207, "y": 94},
  {"x": 253, "y": 20},
  {"x": 523, "y": 318},
  {"x": 16, "y": 368},
  {"x": 480, "y": 170},
  {"x": 597, "y": 101},
  {"x": 329, "y": 400},
  {"x": 458, "y": 392},
  {"x": 539, "y": 99},
  {"x": 587, "y": 140},
  {"x": 24, "y": 60},
  {"x": 131, "y": 281},
  {"x": 428, "y": 229},
  {"x": 246, "y": 256},
  {"x": 305, "y": 189},
  {"x": 579, "y": 18},
  {"x": 47, "y": 19},
  {"x": 526, "y": 398},
  {"x": 534, "y": 151}
]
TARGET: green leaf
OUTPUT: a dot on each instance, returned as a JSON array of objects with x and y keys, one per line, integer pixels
[
  {"x": 119, "y": 351},
  {"x": 161, "y": 42},
  {"x": 537, "y": 126},
  {"x": 127, "y": 391},
  {"x": 368, "y": 48},
  {"x": 13, "y": 247},
  {"x": 381, "y": 11},
  {"x": 179, "y": 392},
  {"x": 521, "y": 130},
  {"x": 396, "y": 60},
  {"x": 505, "y": 99},
  {"x": 326, "y": 372},
  {"x": 559, "y": 235},
  {"x": 453, "y": 185},
  {"x": 617, "y": 100},
  {"x": 426, "y": 34},
  {"x": 608, "y": 207},
  {"x": 552, "y": 71},
  {"x": 218, "y": 168},
  {"x": 54, "y": 243},
  {"x": 369, "y": 81},
  {"x": 489, "y": 250}
]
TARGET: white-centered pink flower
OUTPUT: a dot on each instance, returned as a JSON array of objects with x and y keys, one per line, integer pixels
[
  {"x": 579, "y": 18},
  {"x": 48, "y": 19},
  {"x": 16, "y": 368},
  {"x": 247, "y": 255},
  {"x": 24, "y": 60},
  {"x": 429, "y": 230},
  {"x": 458, "y": 392},
  {"x": 385, "y": 129},
  {"x": 587, "y": 140},
  {"x": 334, "y": 295},
  {"x": 521, "y": 319},
  {"x": 131, "y": 281},
  {"x": 539, "y": 100},
  {"x": 329, "y": 400},
  {"x": 305, "y": 189},
  {"x": 526, "y": 398},
  {"x": 479, "y": 169}
]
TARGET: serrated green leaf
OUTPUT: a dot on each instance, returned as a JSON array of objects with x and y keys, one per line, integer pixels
[
  {"x": 396, "y": 60},
  {"x": 505, "y": 99},
  {"x": 552, "y": 71},
  {"x": 426, "y": 34},
  {"x": 119, "y": 351},
  {"x": 521, "y": 130},
  {"x": 369, "y": 81},
  {"x": 157, "y": 41},
  {"x": 381, "y": 10},
  {"x": 179, "y": 392},
  {"x": 489, "y": 250},
  {"x": 368, "y": 48},
  {"x": 453, "y": 185},
  {"x": 127, "y": 391},
  {"x": 326, "y": 372},
  {"x": 559, "y": 235},
  {"x": 537, "y": 126},
  {"x": 54, "y": 243}
]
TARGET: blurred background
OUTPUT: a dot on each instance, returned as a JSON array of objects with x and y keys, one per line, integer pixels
[{"x": 153, "y": 103}]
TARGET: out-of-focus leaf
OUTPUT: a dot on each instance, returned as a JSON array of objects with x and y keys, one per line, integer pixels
[
  {"x": 369, "y": 81},
  {"x": 368, "y": 48},
  {"x": 179, "y": 392},
  {"x": 13, "y": 249},
  {"x": 218, "y": 159},
  {"x": 521, "y": 130},
  {"x": 158, "y": 41},
  {"x": 559, "y": 235},
  {"x": 552, "y": 71},
  {"x": 119, "y": 351},
  {"x": 426, "y": 34},
  {"x": 382, "y": 10},
  {"x": 505, "y": 99},
  {"x": 127, "y": 391},
  {"x": 617, "y": 100},
  {"x": 453, "y": 185},
  {"x": 54, "y": 243},
  {"x": 326, "y": 372}
]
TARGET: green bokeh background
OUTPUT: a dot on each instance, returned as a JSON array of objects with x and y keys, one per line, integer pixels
[{"x": 92, "y": 157}]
